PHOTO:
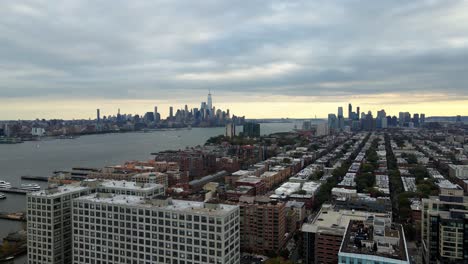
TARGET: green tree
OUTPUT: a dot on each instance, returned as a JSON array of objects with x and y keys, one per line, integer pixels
[{"x": 412, "y": 159}]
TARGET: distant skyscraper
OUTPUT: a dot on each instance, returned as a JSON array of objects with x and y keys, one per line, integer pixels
[
  {"x": 368, "y": 122},
  {"x": 149, "y": 117},
  {"x": 340, "y": 112},
  {"x": 350, "y": 111},
  {"x": 98, "y": 119},
  {"x": 358, "y": 109},
  {"x": 416, "y": 120},
  {"x": 381, "y": 120},
  {"x": 381, "y": 113},
  {"x": 251, "y": 129},
  {"x": 332, "y": 122},
  {"x": 210, "y": 102},
  {"x": 119, "y": 117},
  {"x": 171, "y": 112},
  {"x": 230, "y": 130},
  {"x": 404, "y": 118}
]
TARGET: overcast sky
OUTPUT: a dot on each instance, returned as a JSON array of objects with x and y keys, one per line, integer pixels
[{"x": 259, "y": 58}]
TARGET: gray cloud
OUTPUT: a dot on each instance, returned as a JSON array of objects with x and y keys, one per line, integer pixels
[{"x": 143, "y": 49}]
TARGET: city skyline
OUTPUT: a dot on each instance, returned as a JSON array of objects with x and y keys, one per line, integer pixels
[
  {"x": 256, "y": 58},
  {"x": 251, "y": 110}
]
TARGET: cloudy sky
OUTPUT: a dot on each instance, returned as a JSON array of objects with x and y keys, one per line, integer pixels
[{"x": 64, "y": 59}]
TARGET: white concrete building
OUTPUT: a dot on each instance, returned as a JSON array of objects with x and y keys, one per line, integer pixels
[
  {"x": 49, "y": 224},
  {"x": 38, "y": 131},
  {"x": 49, "y": 215},
  {"x": 110, "y": 228}
]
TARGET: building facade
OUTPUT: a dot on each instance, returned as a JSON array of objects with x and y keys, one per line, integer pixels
[
  {"x": 49, "y": 215},
  {"x": 128, "y": 229},
  {"x": 49, "y": 224},
  {"x": 263, "y": 224},
  {"x": 444, "y": 227}
]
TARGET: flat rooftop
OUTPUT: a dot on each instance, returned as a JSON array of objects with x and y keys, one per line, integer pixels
[
  {"x": 129, "y": 185},
  {"x": 390, "y": 244},
  {"x": 169, "y": 204},
  {"x": 335, "y": 221},
  {"x": 250, "y": 179},
  {"x": 58, "y": 191}
]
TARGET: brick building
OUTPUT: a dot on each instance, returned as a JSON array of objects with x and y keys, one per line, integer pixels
[{"x": 263, "y": 224}]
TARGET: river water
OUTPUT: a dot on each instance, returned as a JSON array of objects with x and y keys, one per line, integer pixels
[{"x": 43, "y": 157}]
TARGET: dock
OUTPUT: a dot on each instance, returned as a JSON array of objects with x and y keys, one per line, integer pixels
[
  {"x": 35, "y": 178},
  {"x": 13, "y": 216},
  {"x": 14, "y": 190}
]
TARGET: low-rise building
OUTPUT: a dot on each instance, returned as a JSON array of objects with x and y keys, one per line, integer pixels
[
  {"x": 374, "y": 240},
  {"x": 323, "y": 234}
]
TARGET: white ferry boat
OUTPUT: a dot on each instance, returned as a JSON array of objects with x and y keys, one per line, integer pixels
[
  {"x": 5, "y": 185},
  {"x": 2, "y": 196},
  {"x": 30, "y": 187}
]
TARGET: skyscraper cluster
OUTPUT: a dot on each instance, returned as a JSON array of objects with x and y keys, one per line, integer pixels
[
  {"x": 367, "y": 121},
  {"x": 205, "y": 116}
]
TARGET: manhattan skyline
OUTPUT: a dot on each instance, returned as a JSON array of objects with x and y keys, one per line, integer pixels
[{"x": 262, "y": 59}]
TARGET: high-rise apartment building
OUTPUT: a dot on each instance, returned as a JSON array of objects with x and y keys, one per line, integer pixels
[
  {"x": 50, "y": 216},
  {"x": 416, "y": 120},
  {"x": 444, "y": 227},
  {"x": 422, "y": 118},
  {"x": 332, "y": 122},
  {"x": 230, "y": 130},
  {"x": 49, "y": 224},
  {"x": 263, "y": 224},
  {"x": 111, "y": 228},
  {"x": 404, "y": 118},
  {"x": 340, "y": 112},
  {"x": 251, "y": 129},
  {"x": 322, "y": 130}
]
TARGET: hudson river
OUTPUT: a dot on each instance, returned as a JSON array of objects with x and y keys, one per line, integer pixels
[{"x": 41, "y": 158}]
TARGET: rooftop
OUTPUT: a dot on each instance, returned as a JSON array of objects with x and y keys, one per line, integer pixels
[
  {"x": 250, "y": 179},
  {"x": 166, "y": 204},
  {"x": 376, "y": 238},
  {"x": 129, "y": 185},
  {"x": 60, "y": 190},
  {"x": 334, "y": 221}
]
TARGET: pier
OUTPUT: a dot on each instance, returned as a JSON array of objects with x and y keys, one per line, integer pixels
[
  {"x": 35, "y": 178},
  {"x": 14, "y": 190},
  {"x": 19, "y": 216}
]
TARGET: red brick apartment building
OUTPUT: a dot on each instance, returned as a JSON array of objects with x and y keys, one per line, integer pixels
[{"x": 263, "y": 224}]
